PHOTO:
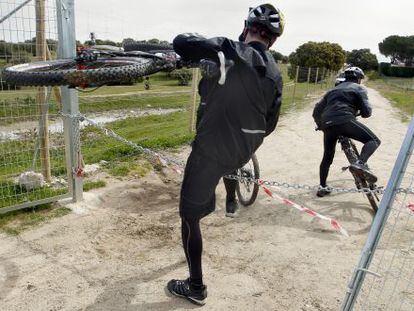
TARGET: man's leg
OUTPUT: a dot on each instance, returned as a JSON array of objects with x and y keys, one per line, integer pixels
[
  {"x": 329, "y": 144},
  {"x": 363, "y": 134},
  {"x": 201, "y": 177},
  {"x": 231, "y": 202}
]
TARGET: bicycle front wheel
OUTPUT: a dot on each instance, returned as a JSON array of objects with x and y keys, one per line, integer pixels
[
  {"x": 92, "y": 73},
  {"x": 247, "y": 189}
]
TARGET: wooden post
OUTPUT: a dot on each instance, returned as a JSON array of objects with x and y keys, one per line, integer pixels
[
  {"x": 296, "y": 82},
  {"x": 308, "y": 81},
  {"x": 56, "y": 90},
  {"x": 41, "y": 92},
  {"x": 316, "y": 77},
  {"x": 193, "y": 102}
]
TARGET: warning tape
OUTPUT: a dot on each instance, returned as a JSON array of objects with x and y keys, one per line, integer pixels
[{"x": 334, "y": 223}]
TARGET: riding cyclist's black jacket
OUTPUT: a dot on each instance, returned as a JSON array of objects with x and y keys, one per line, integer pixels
[
  {"x": 235, "y": 116},
  {"x": 342, "y": 104}
]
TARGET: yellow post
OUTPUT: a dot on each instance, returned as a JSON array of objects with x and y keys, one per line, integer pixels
[
  {"x": 41, "y": 93},
  {"x": 193, "y": 103}
]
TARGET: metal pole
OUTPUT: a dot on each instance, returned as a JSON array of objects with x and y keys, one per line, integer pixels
[
  {"x": 41, "y": 91},
  {"x": 316, "y": 77},
  {"x": 193, "y": 102},
  {"x": 70, "y": 104},
  {"x": 380, "y": 219},
  {"x": 14, "y": 11}
]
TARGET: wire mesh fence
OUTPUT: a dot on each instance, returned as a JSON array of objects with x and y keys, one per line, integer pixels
[
  {"x": 384, "y": 278},
  {"x": 32, "y": 148}
]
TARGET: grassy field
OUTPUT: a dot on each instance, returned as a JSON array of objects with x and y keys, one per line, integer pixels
[{"x": 400, "y": 98}]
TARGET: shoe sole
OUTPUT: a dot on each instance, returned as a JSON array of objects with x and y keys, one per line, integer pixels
[
  {"x": 370, "y": 178},
  {"x": 192, "y": 300},
  {"x": 231, "y": 215}
]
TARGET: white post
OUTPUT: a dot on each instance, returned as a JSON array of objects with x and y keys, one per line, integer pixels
[{"x": 70, "y": 104}]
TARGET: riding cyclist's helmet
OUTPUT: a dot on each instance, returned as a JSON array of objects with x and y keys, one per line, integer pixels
[
  {"x": 268, "y": 16},
  {"x": 354, "y": 73}
]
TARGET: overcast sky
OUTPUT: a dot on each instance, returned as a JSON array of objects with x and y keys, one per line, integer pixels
[{"x": 354, "y": 24}]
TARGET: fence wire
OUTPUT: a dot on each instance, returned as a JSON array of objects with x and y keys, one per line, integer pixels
[{"x": 32, "y": 149}]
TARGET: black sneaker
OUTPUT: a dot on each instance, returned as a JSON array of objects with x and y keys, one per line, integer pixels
[
  {"x": 323, "y": 191},
  {"x": 183, "y": 289},
  {"x": 231, "y": 208},
  {"x": 361, "y": 169}
]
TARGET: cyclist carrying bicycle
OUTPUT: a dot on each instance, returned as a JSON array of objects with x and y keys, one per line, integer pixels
[
  {"x": 237, "y": 116},
  {"x": 336, "y": 115}
]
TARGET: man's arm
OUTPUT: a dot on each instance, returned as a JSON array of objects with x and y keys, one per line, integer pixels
[
  {"x": 193, "y": 47},
  {"x": 273, "y": 112},
  {"x": 364, "y": 107}
]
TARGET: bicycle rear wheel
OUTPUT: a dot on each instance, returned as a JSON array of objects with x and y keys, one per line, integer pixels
[
  {"x": 372, "y": 198},
  {"x": 85, "y": 74},
  {"x": 247, "y": 190}
]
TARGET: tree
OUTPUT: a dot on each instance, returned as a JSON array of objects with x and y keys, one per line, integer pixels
[
  {"x": 398, "y": 48},
  {"x": 319, "y": 54},
  {"x": 329, "y": 56},
  {"x": 279, "y": 57},
  {"x": 362, "y": 58}
]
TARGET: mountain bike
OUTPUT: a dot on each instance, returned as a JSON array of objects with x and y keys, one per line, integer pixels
[
  {"x": 352, "y": 154},
  {"x": 246, "y": 188},
  {"x": 97, "y": 65}
]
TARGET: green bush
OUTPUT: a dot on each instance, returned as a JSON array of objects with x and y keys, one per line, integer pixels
[
  {"x": 373, "y": 75},
  {"x": 396, "y": 71},
  {"x": 182, "y": 75}
]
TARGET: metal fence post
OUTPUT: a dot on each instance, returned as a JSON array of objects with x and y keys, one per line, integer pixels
[
  {"x": 70, "y": 104},
  {"x": 384, "y": 209},
  {"x": 308, "y": 80}
]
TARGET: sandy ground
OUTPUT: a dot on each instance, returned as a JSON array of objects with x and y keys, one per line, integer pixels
[{"x": 118, "y": 248}]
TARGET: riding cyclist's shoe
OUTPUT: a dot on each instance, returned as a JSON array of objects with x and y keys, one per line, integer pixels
[
  {"x": 323, "y": 191},
  {"x": 184, "y": 289},
  {"x": 360, "y": 168},
  {"x": 232, "y": 207}
]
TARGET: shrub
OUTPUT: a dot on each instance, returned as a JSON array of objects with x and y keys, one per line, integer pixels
[
  {"x": 396, "y": 71},
  {"x": 182, "y": 75}
]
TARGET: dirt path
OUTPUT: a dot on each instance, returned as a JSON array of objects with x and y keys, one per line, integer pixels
[{"x": 119, "y": 248}]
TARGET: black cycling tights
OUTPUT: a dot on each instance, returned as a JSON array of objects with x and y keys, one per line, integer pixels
[
  {"x": 193, "y": 247},
  {"x": 230, "y": 185},
  {"x": 352, "y": 129}
]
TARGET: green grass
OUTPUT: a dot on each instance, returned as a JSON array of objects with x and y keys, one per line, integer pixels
[
  {"x": 403, "y": 100},
  {"x": 95, "y": 184},
  {"x": 15, "y": 222}
]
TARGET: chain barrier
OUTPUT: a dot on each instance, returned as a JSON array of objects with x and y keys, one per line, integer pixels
[{"x": 178, "y": 165}]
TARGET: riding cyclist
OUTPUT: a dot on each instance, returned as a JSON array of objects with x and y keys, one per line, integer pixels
[
  {"x": 237, "y": 116},
  {"x": 336, "y": 115}
]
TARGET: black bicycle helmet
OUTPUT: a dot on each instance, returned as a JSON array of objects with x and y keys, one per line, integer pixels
[
  {"x": 354, "y": 73},
  {"x": 267, "y": 16}
]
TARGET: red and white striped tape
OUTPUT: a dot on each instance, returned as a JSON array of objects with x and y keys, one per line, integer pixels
[
  {"x": 410, "y": 206},
  {"x": 334, "y": 223}
]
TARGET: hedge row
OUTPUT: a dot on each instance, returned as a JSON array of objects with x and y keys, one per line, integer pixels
[{"x": 394, "y": 71}]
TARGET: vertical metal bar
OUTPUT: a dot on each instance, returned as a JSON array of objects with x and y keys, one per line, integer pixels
[
  {"x": 70, "y": 104},
  {"x": 380, "y": 219}
]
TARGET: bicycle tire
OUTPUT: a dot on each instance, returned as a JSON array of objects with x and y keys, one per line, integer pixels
[
  {"x": 352, "y": 154},
  {"x": 147, "y": 47},
  {"x": 250, "y": 200},
  {"x": 94, "y": 73}
]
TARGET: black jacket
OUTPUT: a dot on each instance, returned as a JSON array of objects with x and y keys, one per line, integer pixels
[
  {"x": 234, "y": 117},
  {"x": 342, "y": 104}
]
